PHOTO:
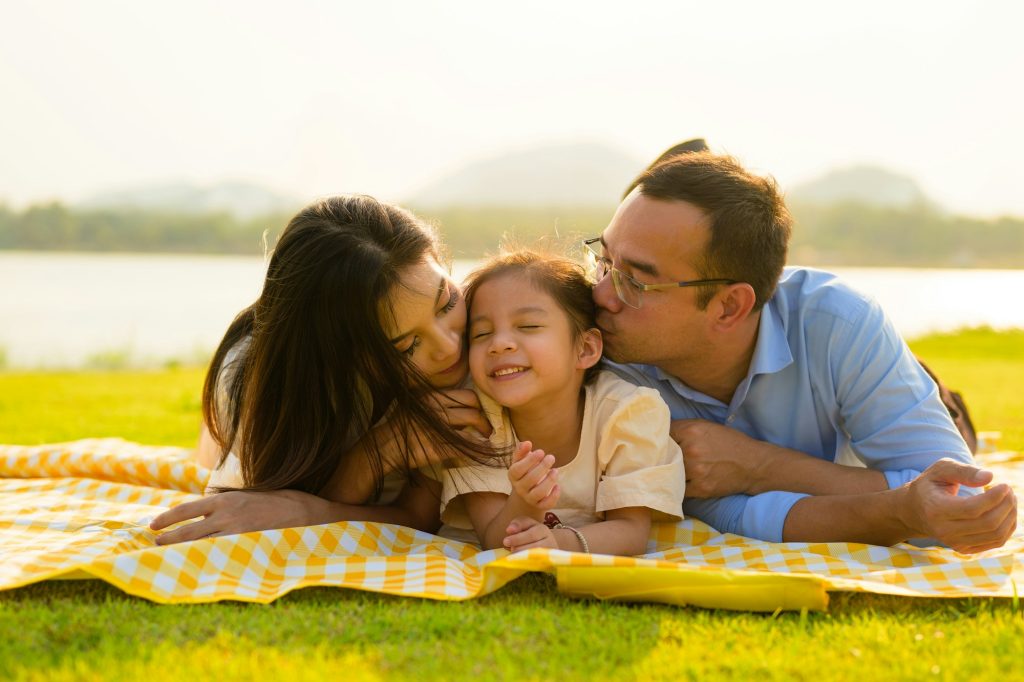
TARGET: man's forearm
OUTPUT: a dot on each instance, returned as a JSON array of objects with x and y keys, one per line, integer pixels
[
  {"x": 785, "y": 469},
  {"x": 876, "y": 518}
]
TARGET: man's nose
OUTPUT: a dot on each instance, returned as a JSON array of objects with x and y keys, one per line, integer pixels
[{"x": 605, "y": 296}]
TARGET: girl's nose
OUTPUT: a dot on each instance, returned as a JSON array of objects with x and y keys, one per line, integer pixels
[{"x": 501, "y": 343}]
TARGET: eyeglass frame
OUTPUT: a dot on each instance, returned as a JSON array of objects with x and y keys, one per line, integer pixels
[{"x": 601, "y": 261}]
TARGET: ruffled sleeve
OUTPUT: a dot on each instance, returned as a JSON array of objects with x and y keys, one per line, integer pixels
[{"x": 642, "y": 466}]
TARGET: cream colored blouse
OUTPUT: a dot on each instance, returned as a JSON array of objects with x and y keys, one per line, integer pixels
[{"x": 626, "y": 458}]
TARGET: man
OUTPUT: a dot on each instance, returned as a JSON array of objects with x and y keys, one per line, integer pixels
[{"x": 778, "y": 379}]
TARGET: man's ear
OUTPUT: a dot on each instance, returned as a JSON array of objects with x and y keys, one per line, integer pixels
[
  {"x": 733, "y": 305},
  {"x": 591, "y": 345}
]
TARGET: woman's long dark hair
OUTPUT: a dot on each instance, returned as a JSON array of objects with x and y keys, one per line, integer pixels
[{"x": 320, "y": 369}]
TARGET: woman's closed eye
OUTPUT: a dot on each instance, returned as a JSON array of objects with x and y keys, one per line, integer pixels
[
  {"x": 453, "y": 300},
  {"x": 416, "y": 341}
]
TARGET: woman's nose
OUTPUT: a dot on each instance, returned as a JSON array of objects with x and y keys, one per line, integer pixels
[{"x": 449, "y": 343}]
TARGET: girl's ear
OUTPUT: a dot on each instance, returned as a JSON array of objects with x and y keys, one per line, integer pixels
[{"x": 591, "y": 345}]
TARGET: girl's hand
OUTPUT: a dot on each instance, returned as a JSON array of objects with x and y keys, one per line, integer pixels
[
  {"x": 461, "y": 409},
  {"x": 526, "y": 533},
  {"x": 533, "y": 476}
]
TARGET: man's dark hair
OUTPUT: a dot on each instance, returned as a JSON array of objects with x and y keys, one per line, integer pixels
[{"x": 748, "y": 220}]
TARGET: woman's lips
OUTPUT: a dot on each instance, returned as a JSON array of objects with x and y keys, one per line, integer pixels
[{"x": 454, "y": 366}]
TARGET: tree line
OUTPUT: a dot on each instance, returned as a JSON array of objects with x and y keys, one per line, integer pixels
[{"x": 835, "y": 234}]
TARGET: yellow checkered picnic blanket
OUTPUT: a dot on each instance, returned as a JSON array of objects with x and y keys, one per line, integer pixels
[{"x": 81, "y": 509}]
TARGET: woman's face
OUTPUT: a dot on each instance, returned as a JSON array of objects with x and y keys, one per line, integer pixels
[{"x": 430, "y": 323}]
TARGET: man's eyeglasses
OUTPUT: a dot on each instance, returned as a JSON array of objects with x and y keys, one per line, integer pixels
[{"x": 628, "y": 289}]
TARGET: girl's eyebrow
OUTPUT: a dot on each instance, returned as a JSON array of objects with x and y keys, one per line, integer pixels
[
  {"x": 437, "y": 299},
  {"x": 517, "y": 311}
]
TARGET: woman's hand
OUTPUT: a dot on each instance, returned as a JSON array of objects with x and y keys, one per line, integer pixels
[
  {"x": 460, "y": 408},
  {"x": 240, "y": 511}
]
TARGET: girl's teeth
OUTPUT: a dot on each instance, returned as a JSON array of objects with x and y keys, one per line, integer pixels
[{"x": 504, "y": 372}]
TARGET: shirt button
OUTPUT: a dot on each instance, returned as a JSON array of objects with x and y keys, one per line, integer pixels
[{"x": 731, "y": 418}]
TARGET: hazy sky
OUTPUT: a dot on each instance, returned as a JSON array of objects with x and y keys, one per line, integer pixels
[{"x": 381, "y": 97}]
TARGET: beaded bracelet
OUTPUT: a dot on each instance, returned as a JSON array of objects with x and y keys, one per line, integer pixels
[{"x": 554, "y": 523}]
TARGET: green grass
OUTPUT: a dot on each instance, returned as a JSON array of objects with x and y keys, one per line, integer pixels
[{"x": 72, "y": 630}]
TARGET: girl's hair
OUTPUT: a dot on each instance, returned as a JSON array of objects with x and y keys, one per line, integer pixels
[
  {"x": 320, "y": 369},
  {"x": 559, "y": 277}
]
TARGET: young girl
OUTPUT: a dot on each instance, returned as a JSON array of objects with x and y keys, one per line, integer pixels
[{"x": 593, "y": 463}]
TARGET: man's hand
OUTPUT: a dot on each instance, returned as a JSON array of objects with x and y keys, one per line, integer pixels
[
  {"x": 526, "y": 533},
  {"x": 966, "y": 524},
  {"x": 720, "y": 461},
  {"x": 533, "y": 477}
]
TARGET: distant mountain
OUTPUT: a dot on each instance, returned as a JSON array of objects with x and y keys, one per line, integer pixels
[
  {"x": 243, "y": 199},
  {"x": 565, "y": 174},
  {"x": 865, "y": 184}
]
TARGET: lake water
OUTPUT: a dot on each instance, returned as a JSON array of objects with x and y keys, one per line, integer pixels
[{"x": 65, "y": 310}]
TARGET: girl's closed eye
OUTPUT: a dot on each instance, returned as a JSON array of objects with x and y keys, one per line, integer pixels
[{"x": 480, "y": 333}]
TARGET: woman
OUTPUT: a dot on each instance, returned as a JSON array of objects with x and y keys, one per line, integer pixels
[{"x": 357, "y": 326}]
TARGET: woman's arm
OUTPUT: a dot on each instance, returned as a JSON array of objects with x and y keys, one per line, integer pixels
[
  {"x": 353, "y": 481},
  {"x": 245, "y": 511}
]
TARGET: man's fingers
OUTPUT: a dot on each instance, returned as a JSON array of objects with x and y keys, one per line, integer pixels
[
  {"x": 183, "y": 512},
  {"x": 998, "y": 539},
  {"x": 950, "y": 471},
  {"x": 976, "y": 506},
  {"x": 994, "y": 527}
]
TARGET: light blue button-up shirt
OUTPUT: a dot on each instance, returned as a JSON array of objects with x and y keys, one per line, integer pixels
[{"x": 830, "y": 377}]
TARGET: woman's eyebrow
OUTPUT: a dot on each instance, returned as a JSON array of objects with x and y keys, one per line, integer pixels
[{"x": 437, "y": 299}]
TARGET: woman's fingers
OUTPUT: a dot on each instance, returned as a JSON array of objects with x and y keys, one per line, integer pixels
[
  {"x": 184, "y": 512},
  {"x": 192, "y": 531}
]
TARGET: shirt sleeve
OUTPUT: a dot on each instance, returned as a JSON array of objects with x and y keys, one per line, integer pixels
[
  {"x": 889, "y": 407},
  {"x": 762, "y": 516},
  {"x": 640, "y": 463}
]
